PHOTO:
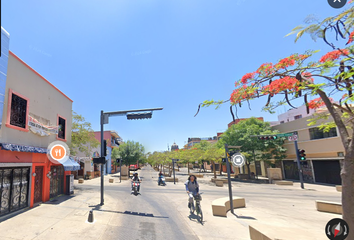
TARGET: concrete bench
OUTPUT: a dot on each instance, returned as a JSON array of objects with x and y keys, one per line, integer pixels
[
  {"x": 170, "y": 179},
  {"x": 219, "y": 183},
  {"x": 331, "y": 207},
  {"x": 111, "y": 180},
  {"x": 339, "y": 188},
  {"x": 197, "y": 175},
  {"x": 219, "y": 179},
  {"x": 220, "y": 206},
  {"x": 81, "y": 180},
  {"x": 291, "y": 183}
]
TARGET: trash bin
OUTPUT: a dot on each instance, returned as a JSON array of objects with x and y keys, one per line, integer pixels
[{"x": 69, "y": 184}]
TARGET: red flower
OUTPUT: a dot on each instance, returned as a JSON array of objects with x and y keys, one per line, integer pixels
[
  {"x": 331, "y": 56},
  {"x": 282, "y": 84},
  {"x": 286, "y": 62},
  {"x": 246, "y": 77},
  {"x": 351, "y": 37},
  {"x": 266, "y": 68},
  {"x": 317, "y": 103}
]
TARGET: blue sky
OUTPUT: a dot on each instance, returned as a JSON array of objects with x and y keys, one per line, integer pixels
[{"x": 116, "y": 55}]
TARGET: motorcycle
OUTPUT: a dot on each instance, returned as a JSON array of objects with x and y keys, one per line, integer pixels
[
  {"x": 135, "y": 186},
  {"x": 161, "y": 181}
]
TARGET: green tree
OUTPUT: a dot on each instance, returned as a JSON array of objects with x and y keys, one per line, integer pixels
[
  {"x": 214, "y": 154},
  {"x": 82, "y": 136},
  {"x": 240, "y": 135},
  {"x": 130, "y": 152},
  {"x": 302, "y": 75}
]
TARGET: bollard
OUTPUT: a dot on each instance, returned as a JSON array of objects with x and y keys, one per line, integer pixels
[{"x": 90, "y": 217}]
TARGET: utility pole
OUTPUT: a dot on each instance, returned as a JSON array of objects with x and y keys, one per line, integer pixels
[
  {"x": 229, "y": 179},
  {"x": 102, "y": 154},
  {"x": 299, "y": 165}
]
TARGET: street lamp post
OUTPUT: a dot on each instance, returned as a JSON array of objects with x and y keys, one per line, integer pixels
[{"x": 104, "y": 120}]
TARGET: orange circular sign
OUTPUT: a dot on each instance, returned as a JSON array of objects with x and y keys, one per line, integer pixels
[{"x": 58, "y": 152}]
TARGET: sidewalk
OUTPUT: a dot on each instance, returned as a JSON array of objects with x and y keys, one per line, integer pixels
[
  {"x": 287, "y": 211},
  {"x": 64, "y": 218}
]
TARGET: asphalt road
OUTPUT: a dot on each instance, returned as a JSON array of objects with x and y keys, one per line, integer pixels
[{"x": 147, "y": 216}]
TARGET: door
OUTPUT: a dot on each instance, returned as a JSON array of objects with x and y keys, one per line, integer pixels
[
  {"x": 56, "y": 181},
  {"x": 327, "y": 171},
  {"x": 38, "y": 183},
  {"x": 291, "y": 170},
  {"x": 13, "y": 189},
  {"x": 258, "y": 168}
]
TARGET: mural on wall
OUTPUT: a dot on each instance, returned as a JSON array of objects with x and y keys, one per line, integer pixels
[{"x": 4, "y": 58}]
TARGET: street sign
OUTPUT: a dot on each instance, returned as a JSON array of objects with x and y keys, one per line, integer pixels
[
  {"x": 238, "y": 160},
  {"x": 224, "y": 160},
  {"x": 99, "y": 160},
  {"x": 175, "y": 160},
  {"x": 292, "y": 138},
  {"x": 286, "y": 134}
]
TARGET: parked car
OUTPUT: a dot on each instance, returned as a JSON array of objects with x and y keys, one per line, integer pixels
[{"x": 133, "y": 167}]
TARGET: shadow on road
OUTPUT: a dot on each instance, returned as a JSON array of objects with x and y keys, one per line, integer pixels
[
  {"x": 195, "y": 218},
  {"x": 244, "y": 217},
  {"x": 98, "y": 208}
]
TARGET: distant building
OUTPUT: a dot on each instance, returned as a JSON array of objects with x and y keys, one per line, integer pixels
[
  {"x": 293, "y": 114},
  {"x": 193, "y": 141},
  {"x": 241, "y": 119},
  {"x": 174, "y": 147}
]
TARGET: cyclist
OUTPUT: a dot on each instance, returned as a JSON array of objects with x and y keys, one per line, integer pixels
[
  {"x": 136, "y": 178},
  {"x": 192, "y": 188}
]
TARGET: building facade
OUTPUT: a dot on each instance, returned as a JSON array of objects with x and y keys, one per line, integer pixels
[
  {"x": 27, "y": 177},
  {"x": 324, "y": 151}
]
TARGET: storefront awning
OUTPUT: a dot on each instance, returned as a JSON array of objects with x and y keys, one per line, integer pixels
[{"x": 71, "y": 165}]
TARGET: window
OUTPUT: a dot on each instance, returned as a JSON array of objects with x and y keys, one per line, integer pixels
[
  {"x": 62, "y": 127},
  {"x": 297, "y": 117},
  {"x": 316, "y": 133},
  {"x": 281, "y": 121},
  {"x": 17, "y": 111}
]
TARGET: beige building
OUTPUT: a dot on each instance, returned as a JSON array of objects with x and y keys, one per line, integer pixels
[
  {"x": 324, "y": 151},
  {"x": 36, "y": 97},
  {"x": 34, "y": 114}
]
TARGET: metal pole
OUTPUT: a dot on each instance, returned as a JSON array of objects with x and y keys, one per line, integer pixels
[
  {"x": 299, "y": 165},
  {"x": 174, "y": 176},
  {"x": 120, "y": 170},
  {"x": 102, "y": 154},
  {"x": 228, "y": 179}
]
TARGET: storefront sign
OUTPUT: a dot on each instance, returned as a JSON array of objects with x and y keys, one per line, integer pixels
[{"x": 40, "y": 129}]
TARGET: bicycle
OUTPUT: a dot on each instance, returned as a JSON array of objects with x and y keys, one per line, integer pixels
[{"x": 198, "y": 208}]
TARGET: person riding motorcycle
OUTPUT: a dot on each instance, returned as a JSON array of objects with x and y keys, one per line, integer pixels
[
  {"x": 136, "y": 178},
  {"x": 160, "y": 177},
  {"x": 192, "y": 188}
]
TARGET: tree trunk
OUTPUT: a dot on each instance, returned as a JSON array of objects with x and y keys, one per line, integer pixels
[
  {"x": 347, "y": 175},
  {"x": 214, "y": 170},
  {"x": 220, "y": 166},
  {"x": 248, "y": 169},
  {"x": 188, "y": 167}
]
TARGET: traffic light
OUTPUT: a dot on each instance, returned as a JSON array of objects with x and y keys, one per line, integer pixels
[
  {"x": 104, "y": 148},
  {"x": 267, "y": 137},
  {"x": 230, "y": 153},
  {"x": 302, "y": 155},
  {"x": 135, "y": 116}
]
